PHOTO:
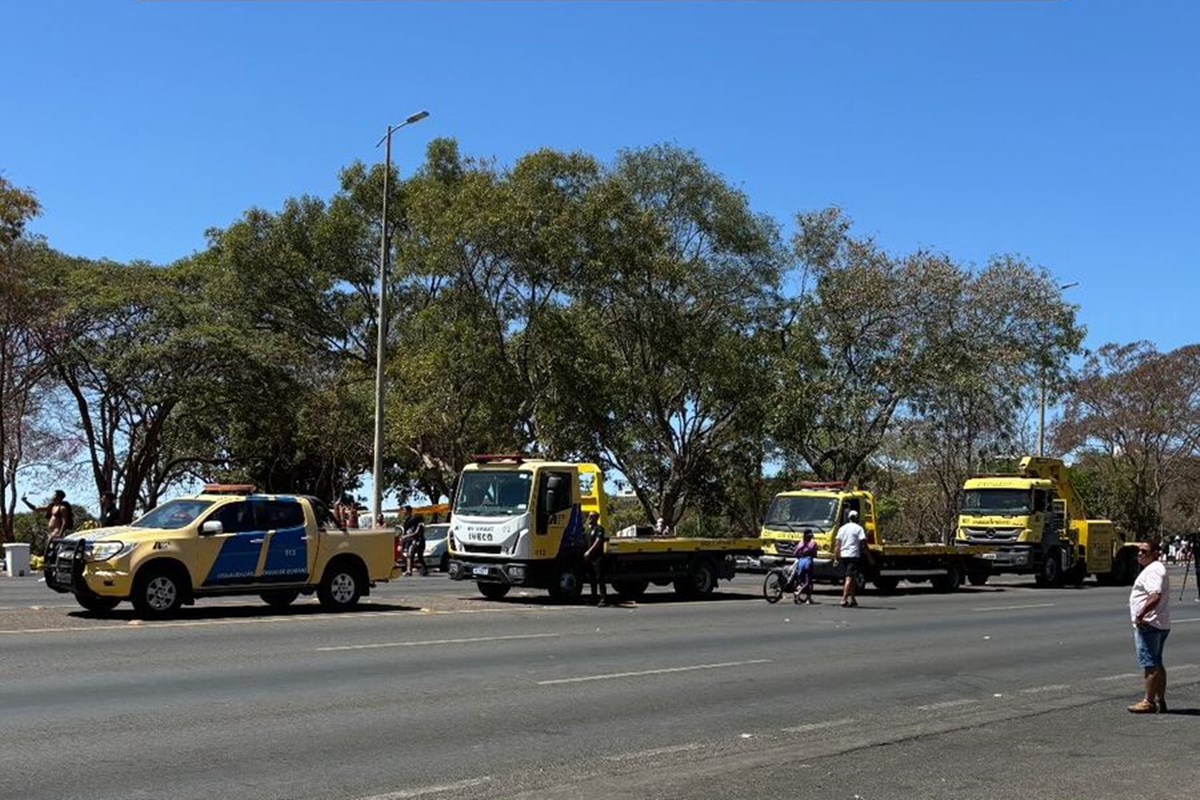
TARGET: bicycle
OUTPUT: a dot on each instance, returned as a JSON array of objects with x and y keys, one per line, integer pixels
[{"x": 779, "y": 580}]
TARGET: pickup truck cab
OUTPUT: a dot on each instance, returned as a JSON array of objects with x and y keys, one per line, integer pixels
[{"x": 227, "y": 540}]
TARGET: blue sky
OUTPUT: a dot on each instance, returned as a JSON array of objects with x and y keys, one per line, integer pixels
[{"x": 1062, "y": 131}]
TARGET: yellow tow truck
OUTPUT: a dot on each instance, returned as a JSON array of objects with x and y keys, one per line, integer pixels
[
  {"x": 1033, "y": 522},
  {"x": 519, "y": 521},
  {"x": 822, "y": 507}
]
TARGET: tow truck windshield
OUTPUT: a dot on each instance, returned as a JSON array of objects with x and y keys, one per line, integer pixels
[
  {"x": 493, "y": 494},
  {"x": 1000, "y": 502},
  {"x": 798, "y": 513}
]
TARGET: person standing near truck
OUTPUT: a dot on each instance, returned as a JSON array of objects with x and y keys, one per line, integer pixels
[
  {"x": 848, "y": 547},
  {"x": 1150, "y": 610},
  {"x": 594, "y": 557}
]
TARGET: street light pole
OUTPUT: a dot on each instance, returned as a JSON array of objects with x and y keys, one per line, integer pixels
[
  {"x": 1042, "y": 403},
  {"x": 381, "y": 321}
]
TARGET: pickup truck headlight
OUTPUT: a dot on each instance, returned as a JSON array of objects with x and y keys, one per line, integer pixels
[{"x": 104, "y": 551}]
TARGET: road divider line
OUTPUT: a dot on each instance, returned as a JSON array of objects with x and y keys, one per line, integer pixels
[
  {"x": 1185, "y": 621},
  {"x": 1124, "y": 676},
  {"x": 422, "y": 791},
  {"x": 947, "y": 704},
  {"x": 430, "y": 642},
  {"x": 1054, "y": 687},
  {"x": 655, "y": 751},
  {"x": 647, "y": 672},
  {"x": 1013, "y": 608},
  {"x": 819, "y": 726}
]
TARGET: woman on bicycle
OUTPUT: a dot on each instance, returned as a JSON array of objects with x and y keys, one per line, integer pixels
[{"x": 802, "y": 571}]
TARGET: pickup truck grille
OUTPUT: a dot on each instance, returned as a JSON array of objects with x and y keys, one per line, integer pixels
[
  {"x": 991, "y": 535},
  {"x": 62, "y": 559}
]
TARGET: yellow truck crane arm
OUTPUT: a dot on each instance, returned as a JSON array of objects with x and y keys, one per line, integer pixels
[{"x": 1053, "y": 470}]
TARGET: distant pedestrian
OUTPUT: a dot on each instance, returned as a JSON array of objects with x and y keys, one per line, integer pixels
[
  {"x": 109, "y": 515},
  {"x": 413, "y": 542},
  {"x": 849, "y": 549},
  {"x": 1150, "y": 610},
  {"x": 661, "y": 528},
  {"x": 60, "y": 516},
  {"x": 594, "y": 557},
  {"x": 802, "y": 570},
  {"x": 345, "y": 512}
]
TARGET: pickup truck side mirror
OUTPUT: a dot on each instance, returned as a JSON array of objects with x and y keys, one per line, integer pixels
[{"x": 212, "y": 526}]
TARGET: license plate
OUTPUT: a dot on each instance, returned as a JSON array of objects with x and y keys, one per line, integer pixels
[
  {"x": 480, "y": 571},
  {"x": 992, "y": 556}
]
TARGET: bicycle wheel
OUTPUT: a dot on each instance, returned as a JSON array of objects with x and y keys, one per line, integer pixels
[{"x": 773, "y": 585}]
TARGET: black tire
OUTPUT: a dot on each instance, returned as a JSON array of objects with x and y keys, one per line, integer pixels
[
  {"x": 977, "y": 578},
  {"x": 493, "y": 591},
  {"x": 949, "y": 582},
  {"x": 1052, "y": 571},
  {"x": 158, "y": 591},
  {"x": 886, "y": 584},
  {"x": 773, "y": 584},
  {"x": 341, "y": 586},
  {"x": 700, "y": 581},
  {"x": 95, "y": 603},
  {"x": 1077, "y": 574},
  {"x": 631, "y": 589},
  {"x": 280, "y": 598},
  {"x": 568, "y": 585}
]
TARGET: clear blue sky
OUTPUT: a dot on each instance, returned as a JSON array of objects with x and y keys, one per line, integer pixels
[{"x": 1062, "y": 131}]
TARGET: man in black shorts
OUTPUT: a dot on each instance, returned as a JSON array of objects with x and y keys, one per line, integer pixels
[{"x": 849, "y": 549}]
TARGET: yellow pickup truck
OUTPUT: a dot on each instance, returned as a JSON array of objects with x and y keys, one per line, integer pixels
[{"x": 227, "y": 540}]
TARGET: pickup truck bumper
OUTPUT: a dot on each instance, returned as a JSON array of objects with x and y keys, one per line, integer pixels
[{"x": 67, "y": 571}]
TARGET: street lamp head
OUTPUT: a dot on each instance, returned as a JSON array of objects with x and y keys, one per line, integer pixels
[
  {"x": 1070, "y": 285},
  {"x": 417, "y": 117}
]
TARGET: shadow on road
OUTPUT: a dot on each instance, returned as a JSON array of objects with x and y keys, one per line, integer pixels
[{"x": 190, "y": 613}]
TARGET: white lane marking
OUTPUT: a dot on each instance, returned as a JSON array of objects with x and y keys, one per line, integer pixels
[
  {"x": 947, "y": 704},
  {"x": 1013, "y": 608},
  {"x": 428, "y": 642},
  {"x": 1124, "y": 676},
  {"x": 817, "y": 726},
  {"x": 1053, "y": 687},
  {"x": 1185, "y": 621},
  {"x": 656, "y": 751},
  {"x": 403, "y": 794},
  {"x": 665, "y": 671}
]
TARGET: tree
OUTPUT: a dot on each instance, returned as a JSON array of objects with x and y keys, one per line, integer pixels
[{"x": 1141, "y": 409}]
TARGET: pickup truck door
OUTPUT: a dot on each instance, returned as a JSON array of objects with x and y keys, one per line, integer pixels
[
  {"x": 287, "y": 542},
  {"x": 237, "y": 547}
]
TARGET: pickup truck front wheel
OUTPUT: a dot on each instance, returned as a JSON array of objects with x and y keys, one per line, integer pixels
[
  {"x": 95, "y": 603},
  {"x": 341, "y": 587},
  {"x": 157, "y": 591}
]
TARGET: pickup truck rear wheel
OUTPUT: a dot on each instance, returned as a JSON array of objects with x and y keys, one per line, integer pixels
[
  {"x": 341, "y": 587},
  {"x": 280, "y": 598},
  {"x": 493, "y": 591}
]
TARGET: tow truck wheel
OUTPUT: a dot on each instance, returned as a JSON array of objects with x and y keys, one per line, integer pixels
[
  {"x": 157, "y": 592},
  {"x": 95, "y": 603},
  {"x": 631, "y": 589},
  {"x": 977, "y": 578},
  {"x": 568, "y": 585},
  {"x": 1052, "y": 571},
  {"x": 492, "y": 591},
  {"x": 280, "y": 598},
  {"x": 948, "y": 582},
  {"x": 341, "y": 587},
  {"x": 701, "y": 580},
  {"x": 886, "y": 584}
]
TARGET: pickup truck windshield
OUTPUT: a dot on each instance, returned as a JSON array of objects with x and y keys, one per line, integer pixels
[
  {"x": 1006, "y": 502},
  {"x": 173, "y": 515},
  {"x": 493, "y": 494},
  {"x": 798, "y": 513}
]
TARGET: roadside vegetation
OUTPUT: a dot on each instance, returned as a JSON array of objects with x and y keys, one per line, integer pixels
[{"x": 638, "y": 313}]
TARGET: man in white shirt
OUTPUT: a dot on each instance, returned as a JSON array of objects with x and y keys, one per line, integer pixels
[
  {"x": 1150, "y": 611},
  {"x": 849, "y": 549}
]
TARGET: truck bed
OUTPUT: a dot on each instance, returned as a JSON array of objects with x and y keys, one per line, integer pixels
[{"x": 675, "y": 544}]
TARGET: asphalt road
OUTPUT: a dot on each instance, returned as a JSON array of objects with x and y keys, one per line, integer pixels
[{"x": 429, "y": 691}]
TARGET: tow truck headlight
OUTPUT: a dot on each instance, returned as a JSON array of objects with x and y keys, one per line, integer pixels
[{"x": 105, "y": 551}]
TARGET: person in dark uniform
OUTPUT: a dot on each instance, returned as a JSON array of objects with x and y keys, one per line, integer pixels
[
  {"x": 594, "y": 556},
  {"x": 109, "y": 515}
]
